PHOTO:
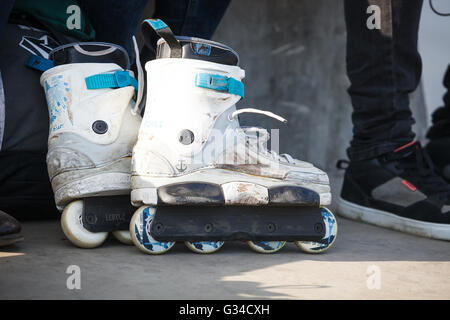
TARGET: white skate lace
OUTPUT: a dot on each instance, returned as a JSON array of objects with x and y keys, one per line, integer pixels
[
  {"x": 263, "y": 134},
  {"x": 136, "y": 108}
]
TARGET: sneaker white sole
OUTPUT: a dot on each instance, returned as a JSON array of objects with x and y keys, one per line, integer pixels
[{"x": 385, "y": 219}]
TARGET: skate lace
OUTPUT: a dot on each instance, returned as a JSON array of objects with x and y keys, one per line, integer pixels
[
  {"x": 262, "y": 134},
  {"x": 137, "y": 108},
  {"x": 419, "y": 169}
]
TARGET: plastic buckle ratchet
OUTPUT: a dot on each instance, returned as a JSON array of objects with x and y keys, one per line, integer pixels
[
  {"x": 123, "y": 78},
  {"x": 220, "y": 83}
]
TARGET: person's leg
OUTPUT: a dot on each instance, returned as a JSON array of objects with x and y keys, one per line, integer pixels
[
  {"x": 192, "y": 18},
  {"x": 439, "y": 133},
  {"x": 9, "y": 227},
  {"x": 390, "y": 180},
  {"x": 383, "y": 66},
  {"x": 114, "y": 21},
  {"x": 5, "y": 9}
]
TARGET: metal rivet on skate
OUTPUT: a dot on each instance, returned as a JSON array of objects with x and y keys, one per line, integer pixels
[
  {"x": 271, "y": 227},
  {"x": 100, "y": 127},
  {"x": 186, "y": 137},
  {"x": 91, "y": 219},
  {"x": 318, "y": 227},
  {"x": 158, "y": 228},
  {"x": 208, "y": 227}
]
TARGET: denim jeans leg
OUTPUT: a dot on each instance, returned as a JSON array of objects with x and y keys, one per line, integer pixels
[
  {"x": 114, "y": 21},
  {"x": 192, "y": 18},
  {"x": 384, "y": 67}
]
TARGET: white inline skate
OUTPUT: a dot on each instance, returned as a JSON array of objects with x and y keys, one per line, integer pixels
[
  {"x": 93, "y": 127},
  {"x": 200, "y": 178}
]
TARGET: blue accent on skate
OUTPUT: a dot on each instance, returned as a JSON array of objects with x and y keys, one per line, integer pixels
[
  {"x": 202, "y": 49},
  {"x": 207, "y": 245},
  {"x": 268, "y": 245},
  {"x": 57, "y": 93},
  {"x": 39, "y": 63},
  {"x": 156, "y": 24},
  {"x": 219, "y": 83},
  {"x": 118, "y": 79},
  {"x": 147, "y": 241},
  {"x": 330, "y": 222}
]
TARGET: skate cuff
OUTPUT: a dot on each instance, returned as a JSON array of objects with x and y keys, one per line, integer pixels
[
  {"x": 118, "y": 79},
  {"x": 220, "y": 83}
]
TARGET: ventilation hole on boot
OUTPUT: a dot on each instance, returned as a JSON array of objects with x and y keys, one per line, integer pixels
[
  {"x": 186, "y": 137},
  {"x": 100, "y": 127}
]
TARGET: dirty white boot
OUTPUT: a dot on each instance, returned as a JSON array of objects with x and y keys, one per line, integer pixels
[
  {"x": 93, "y": 127},
  {"x": 191, "y": 150}
]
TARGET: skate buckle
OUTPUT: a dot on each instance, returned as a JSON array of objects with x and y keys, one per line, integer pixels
[
  {"x": 219, "y": 83},
  {"x": 123, "y": 79},
  {"x": 118, "y": 79}
]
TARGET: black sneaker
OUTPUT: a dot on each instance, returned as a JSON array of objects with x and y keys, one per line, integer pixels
[
  {"x": 439, "y": 134},
  {"x": 398, "y": 190}
]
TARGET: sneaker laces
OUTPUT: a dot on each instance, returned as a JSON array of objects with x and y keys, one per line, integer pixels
[
  {"x": 262, "y": 135},
  {"x": 417, "y": 166}
]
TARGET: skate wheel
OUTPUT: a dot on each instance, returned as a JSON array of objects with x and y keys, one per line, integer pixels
[
  {"x": 123, "y": 236},
  {"x": 140, "y": 232},
  {"x": 204, "y": 246},
  {"x": 266, "y": 246},
  {"x": 72, "y": 226},
  {"x": 327, "y": 241}
]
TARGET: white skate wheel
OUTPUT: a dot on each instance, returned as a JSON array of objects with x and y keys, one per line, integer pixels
[
  {"x": 123, "y": 236},
  {"x": 204, "y": 246},
  {"x": 72, "y": 225},
  {"x": 327, "y": 241},
  {"x": 140, "y": 232},
  {"x": 266, "y": 246}
]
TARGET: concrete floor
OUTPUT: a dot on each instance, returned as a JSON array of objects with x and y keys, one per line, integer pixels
[{"x": 366, "y": 262}]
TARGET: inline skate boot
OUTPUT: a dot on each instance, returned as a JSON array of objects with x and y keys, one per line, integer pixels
[
  {"x": 93, "y": 127},
  {"x": 201, "y": 178}
]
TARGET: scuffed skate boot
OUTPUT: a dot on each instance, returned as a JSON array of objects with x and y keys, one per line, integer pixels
[
  {"x": 211, "y": 179},
  {"x": 93, "y": 127}
]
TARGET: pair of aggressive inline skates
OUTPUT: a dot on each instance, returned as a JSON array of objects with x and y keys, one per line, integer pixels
[{"x": 196, "y": 175}]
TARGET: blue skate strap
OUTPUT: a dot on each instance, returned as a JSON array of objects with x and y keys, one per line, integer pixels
[
  {"x": 157, "y": 24},
  {"x": 39, "y": 63},
  {"x": 219, "y": 83},
  {"x": 162, "y": 30},
  {"x": 118, "y": 79}
]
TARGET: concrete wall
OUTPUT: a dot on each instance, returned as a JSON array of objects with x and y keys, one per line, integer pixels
[
  {"x": 294, "y": 56},
  {"x": 293, "y": 52}
]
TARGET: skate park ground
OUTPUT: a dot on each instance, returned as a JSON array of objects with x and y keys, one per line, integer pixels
[{"x": 367, "y": 262}]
